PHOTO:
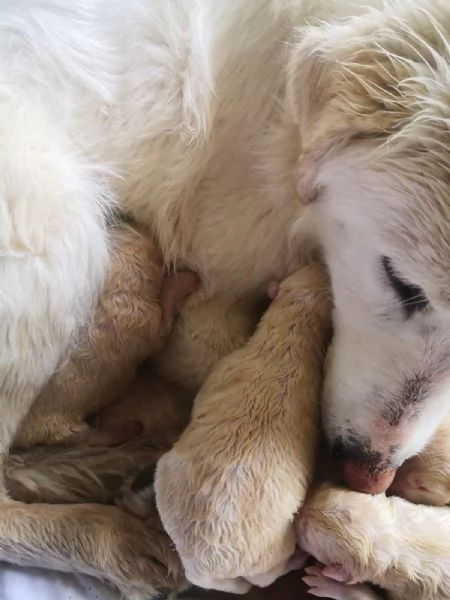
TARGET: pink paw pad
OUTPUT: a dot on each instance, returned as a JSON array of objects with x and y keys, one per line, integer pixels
[{"x": 328, "y": 582}]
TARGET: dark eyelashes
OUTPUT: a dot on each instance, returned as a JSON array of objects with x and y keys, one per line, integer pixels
[{"x": 411, "y": 296}]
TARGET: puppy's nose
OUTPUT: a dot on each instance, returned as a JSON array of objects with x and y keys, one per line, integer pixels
[{"x": 359, "y": 478}]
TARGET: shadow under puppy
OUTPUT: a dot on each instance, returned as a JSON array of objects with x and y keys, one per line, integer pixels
[{"x": 228, "y": 491}]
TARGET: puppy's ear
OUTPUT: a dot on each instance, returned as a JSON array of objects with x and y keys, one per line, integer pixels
[{"x": 333, "y": 94}]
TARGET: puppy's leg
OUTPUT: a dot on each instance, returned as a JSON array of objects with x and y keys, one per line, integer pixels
[
  {"x": 79, "y": 474},
  {"x": 323, "y": 586},
  {"x": 53, "y": 256},
  {"x": 101, "y": 541}
]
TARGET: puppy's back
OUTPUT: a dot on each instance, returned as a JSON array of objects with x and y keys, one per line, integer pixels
[{"x": 228, "y": 491}]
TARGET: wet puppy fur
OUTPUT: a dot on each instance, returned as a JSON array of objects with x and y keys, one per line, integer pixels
[{"x": 125, "y": 475}]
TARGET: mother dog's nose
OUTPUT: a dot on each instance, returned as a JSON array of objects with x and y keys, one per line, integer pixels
[
  {"x": 361, "y": 479},
  {"x": 360, "y": 465}
]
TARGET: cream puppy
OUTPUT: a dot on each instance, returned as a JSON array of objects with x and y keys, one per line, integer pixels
[
  {"x": 228, "y": 490},
  {"x": 396, "y": 545},
  {"x": 425, "y": 478}
]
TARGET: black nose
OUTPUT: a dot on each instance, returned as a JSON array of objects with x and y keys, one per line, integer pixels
[
  {"x": 338, "y": 448},
  {"x": 355, "y": 449},
  {"x": 362, "y": 470}
]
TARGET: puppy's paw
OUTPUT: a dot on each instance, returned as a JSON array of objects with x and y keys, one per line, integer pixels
[
  {"x": 272, "y": 289},
  {"x": 324, "y": 587},
  {"x": 329, "y": 582},
  {"x": 338, "y": 573},
  {"x": 92, "y": 436}
]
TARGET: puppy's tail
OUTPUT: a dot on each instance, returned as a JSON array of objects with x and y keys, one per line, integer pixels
[{"x": 75, "y": 475}]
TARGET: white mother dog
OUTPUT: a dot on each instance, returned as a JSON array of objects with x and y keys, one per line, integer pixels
[{"x": 215, "y": 123}]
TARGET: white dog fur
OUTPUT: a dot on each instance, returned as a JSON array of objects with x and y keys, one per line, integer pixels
[{"x": 213, "y": 123}]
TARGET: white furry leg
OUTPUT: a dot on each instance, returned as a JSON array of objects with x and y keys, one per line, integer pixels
[{"x": 53, "y": 257}]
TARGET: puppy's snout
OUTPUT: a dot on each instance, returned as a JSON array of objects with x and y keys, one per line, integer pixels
[{"x": 360, "y": 467}]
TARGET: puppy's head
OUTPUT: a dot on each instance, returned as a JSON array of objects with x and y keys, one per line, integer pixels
[
  {"x": 371, "y": 96},
  {"x": 339, "y": 527},
  {"x": 425, "y": 479}
]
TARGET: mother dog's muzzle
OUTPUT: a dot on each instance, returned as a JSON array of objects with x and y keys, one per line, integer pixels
[{"x": 361, "y": 469}]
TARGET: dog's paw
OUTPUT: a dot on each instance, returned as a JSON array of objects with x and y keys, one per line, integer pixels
[
  {"x": 138, "y": 557},
  {"x": 330, "y": 582},
  {"x": 322, "y": 586}
]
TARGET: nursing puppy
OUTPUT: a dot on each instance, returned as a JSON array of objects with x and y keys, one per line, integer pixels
[
  {"x": 133, "y": 318},
  {"x": 228, "y": 490},
  {"x": 398, "y": 546}
]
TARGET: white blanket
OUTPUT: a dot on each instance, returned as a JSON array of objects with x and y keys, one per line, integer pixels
[{"x": 18, "y": 583}]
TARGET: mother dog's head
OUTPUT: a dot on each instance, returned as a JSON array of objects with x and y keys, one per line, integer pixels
[{"x": 371, "y": 96}]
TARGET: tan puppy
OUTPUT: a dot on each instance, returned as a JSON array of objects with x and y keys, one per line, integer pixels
[
  {"x": 133, "y": 554},
  {"x": 425, "y": 478},
  {"x": 207, "y": 330},
  {"x": 396, "y": 545},
  {"x": 228, "y": 490},
  {"x": 133, "y": 319},
  {"x": 163, "y": 408}
]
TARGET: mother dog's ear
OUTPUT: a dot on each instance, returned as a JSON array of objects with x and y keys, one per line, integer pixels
[{"x": 333, "y": 94}]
